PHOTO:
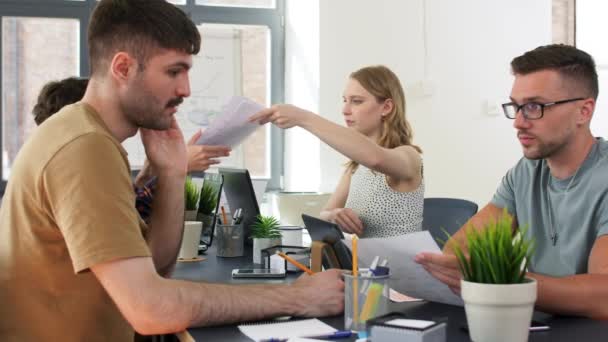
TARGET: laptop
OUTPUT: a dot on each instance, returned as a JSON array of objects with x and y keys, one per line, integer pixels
[{"x": 330, "y": 233}]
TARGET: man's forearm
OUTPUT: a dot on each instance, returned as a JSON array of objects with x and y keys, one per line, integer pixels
[
  {"x": 166, "y": 222},
  {"x": 182, "y": 304},
  {"x": 227, "y": 304},
  {"x": 581, "y": 295}
]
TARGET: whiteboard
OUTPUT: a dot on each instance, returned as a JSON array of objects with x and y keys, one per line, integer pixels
[{"x": 215, "y": 77}]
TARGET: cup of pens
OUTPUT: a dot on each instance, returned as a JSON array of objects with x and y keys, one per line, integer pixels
[
  {"x": 230, "y": 240},
  {"x": 365, "y": 296}
]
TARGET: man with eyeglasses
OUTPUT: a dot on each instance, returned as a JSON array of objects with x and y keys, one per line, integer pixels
[{"x": 559, "y": 188}]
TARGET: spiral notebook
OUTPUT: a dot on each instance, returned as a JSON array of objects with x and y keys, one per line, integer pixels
[{"x": 285, "y": 330}]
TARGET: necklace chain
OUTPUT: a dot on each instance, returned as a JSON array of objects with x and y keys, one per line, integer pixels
[{"x": 554, "y": 234}]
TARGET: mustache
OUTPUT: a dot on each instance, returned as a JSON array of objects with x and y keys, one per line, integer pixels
[
  {"x": 519, "y": 133},
  {"x": 175, "y": 102}
]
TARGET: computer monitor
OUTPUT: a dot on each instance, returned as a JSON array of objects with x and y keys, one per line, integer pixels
[{"x": 239, "y": 194}]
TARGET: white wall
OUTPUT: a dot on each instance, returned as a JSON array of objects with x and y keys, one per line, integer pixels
[
  {"x": 469, "y": 45},
  {"x": 302, "y": 156}
]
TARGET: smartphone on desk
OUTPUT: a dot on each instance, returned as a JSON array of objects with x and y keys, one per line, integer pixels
[
  {"x": 534, "y": 326},
  {"x": 257, "y": 273}
]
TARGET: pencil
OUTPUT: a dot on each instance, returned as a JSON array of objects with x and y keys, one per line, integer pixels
[
  {"x": 355, "y": 283},
  {"x": 225, "y": 220},
  {"x": 295, "y": 263}
]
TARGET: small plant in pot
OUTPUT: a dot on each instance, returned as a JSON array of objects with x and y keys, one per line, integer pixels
[
  {"x": 498, "y": 298},
  {"x": 265, "y": 233},
  {"x": 207, "y": 205},
  {"x": 191, "y": 194}
]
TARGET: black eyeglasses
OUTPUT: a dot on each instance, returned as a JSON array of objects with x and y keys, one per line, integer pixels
[{"x": 531, "y": 110}]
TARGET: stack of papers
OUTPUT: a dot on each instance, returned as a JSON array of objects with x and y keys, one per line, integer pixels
[{"x": 286, "y": 330}]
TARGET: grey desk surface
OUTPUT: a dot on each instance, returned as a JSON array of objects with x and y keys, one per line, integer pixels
[{"x": 217, "y": 269}]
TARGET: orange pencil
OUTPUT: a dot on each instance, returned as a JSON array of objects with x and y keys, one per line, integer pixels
[
  {"x": 355, "y": 282},
  {"x": 295, "y": 263},
  {"x": 224, "y": 219}
]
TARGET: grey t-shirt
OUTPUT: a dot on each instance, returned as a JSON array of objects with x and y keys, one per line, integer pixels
[{"x": 577, "y": 207}]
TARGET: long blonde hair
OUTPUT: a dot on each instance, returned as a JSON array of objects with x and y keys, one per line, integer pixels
[{"x": 383, "y": 84}]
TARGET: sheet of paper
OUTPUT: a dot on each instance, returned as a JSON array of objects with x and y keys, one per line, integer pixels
[
  {"x": 231, "y": 127},
  {"x": 407, "y": 276},
  {"x": 286, "y": 330},
  {"x": 399, "y": 297}
]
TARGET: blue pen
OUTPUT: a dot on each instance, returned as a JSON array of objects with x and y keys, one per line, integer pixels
[
  {"x": 334, "y": 336},
  {"x": 338, "y": 334}
]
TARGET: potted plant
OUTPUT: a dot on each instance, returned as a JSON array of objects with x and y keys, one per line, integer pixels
[
  {"x": 191, "y": 193},
  {"x": 207, "y": 205},
  {"x": 498, "y": 298},
  {"x": 265, "y": 233}
]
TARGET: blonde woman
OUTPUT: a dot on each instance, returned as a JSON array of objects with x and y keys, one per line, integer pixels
[{"x": 381, "y": 192}]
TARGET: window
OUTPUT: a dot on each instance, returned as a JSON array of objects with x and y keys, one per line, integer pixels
[
  {"x": 238, "y": 3},
  {"x": 29, "y": 27},
  {"x": 26, "y": 68},
  {"x": 590, "y": 23}
]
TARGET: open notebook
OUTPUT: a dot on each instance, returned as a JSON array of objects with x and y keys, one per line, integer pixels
[{"x": 285, "y": 330}]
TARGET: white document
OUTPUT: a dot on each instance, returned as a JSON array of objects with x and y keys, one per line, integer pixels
[
  {"x": 407, "y": 276},
  {"x": 231, "y": 127},
  {"x": 286, "y": 330}
]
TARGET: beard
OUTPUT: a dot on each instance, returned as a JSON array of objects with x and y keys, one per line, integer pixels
[
  {"x": 144, "y": 110},
  {"x": 544, "y": 150}
]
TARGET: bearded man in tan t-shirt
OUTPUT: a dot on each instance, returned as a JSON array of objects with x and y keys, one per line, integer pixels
[{"x": 76, "y": 262}]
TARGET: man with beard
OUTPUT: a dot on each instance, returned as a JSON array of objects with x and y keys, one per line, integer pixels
[
  {"x": 559, "y": 188},
  {"x": 76, "y": 261}
]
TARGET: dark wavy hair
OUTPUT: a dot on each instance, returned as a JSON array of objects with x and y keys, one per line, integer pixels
[
  {"x": 140, "y": 28},
  {"x": 56, "y": 95}
]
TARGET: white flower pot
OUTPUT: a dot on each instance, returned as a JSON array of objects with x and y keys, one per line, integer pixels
[
  {"x": 259, "y": 244},
  {"x": 499, "y": 313}
]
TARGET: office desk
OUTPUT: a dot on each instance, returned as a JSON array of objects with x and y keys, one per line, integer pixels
[{"x": 216, "y": 269}]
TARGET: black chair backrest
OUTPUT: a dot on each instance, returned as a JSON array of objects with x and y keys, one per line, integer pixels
[{"x": 447, "y": 214}]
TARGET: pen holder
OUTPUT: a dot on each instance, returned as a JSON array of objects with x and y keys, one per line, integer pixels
[
  {"x": 230, "y": 240},
  {"x": 365, "y": 297},
  {"x": 271, "y": 260}
]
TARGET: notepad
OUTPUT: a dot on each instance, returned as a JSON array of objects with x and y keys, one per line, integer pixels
[{"x": 286, "y": 330}]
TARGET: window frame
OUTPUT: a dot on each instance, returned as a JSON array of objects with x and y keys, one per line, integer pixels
[{"x": 273, "y": 18}]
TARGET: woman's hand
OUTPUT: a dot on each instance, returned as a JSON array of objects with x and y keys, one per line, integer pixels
[
  {"x": 282, "y": 115},
  {"x": 348, "y": 220},
  {"x": 201, "y": 157}
]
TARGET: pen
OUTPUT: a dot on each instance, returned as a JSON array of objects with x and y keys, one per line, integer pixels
[
  {"x": 236, "y": 216},
  {"x": 224, "y": 216},
  {"x": 295, "y": 263},
  {"x": 336, "y": 335},
  {"x": 333, "y": 336}
]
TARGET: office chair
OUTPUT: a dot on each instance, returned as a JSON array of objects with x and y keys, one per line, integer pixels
[{"x": 447, "y": 214}]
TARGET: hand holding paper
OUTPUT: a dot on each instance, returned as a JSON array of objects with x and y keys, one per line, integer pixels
[
  {"x": 282, "y": 115},
  {"x": 232, "y": 126}
]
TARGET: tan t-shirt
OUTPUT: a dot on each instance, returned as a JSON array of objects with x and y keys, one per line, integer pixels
[{"x": 69, "y": 205}]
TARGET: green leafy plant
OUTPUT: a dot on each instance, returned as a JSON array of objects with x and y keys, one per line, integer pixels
[
  {"x": 208, "y": 199},
  {"x": 265, "y": 227},
  {"x": 495, "y": 255},
  {"x": 191, "y": 193}
]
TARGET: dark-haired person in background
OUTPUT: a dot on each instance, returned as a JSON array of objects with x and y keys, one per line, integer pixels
[
  {"x": 74, "y": 264},
  {"x": 559, "y": 188},
  {"x": 58, "y": 94}
]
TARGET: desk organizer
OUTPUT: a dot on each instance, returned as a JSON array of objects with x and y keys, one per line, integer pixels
[
  {"x": 300, "y": 254},
  {"x": 396, "y": 326}
]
